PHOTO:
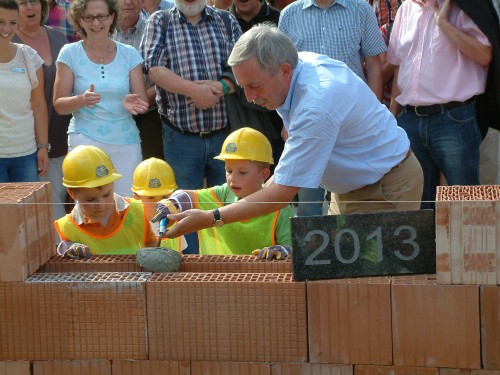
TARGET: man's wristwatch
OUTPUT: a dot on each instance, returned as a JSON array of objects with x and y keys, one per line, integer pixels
[
  {"x": 217, "y": 220},
  {"x": 43, "y": 145}
]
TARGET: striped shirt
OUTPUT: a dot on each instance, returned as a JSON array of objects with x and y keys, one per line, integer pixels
[
  {"x": 194, "y": 52},
  {"x": 58, "y": 18},
  {"x": 347, "y": 30},
  {"x": 163, "y": 5}
]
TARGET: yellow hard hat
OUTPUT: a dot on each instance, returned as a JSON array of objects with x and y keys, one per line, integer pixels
[
  {"x": 88, "y": 167},
  {"x": 247, "y": 144},
  {"x": 153, "y": 177}
]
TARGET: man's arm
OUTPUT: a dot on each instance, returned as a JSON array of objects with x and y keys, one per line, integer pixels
[
  {"x": 374, "y": 74},
  {"x": 269, "y": 199},
  {"x": 468, "y": 45},
  {"x": 395, "y": 107},
  {"x": 201, "y": 96}
]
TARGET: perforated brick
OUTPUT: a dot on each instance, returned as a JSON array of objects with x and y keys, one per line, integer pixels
[
  {"x": 490, "y": 326},
  {"x": 15, "y": 368},
  {"x": 74, "y": 316},
  {"x": 310, "y": 369},
  {"x": 435, "y": 325},
  {"x": 100, "y": 263},
  {"x": 393, "y": 370},
  {"x": 228, "y": 317},
  {"x": 95, "y": 367},
  {"x": 226, "y": 368},
  {"x": 468, "y": 235},
  {"x": 133, "y": 367},
  {"x": 234, "y": 264},
  {"x": 349, "y": 321}
]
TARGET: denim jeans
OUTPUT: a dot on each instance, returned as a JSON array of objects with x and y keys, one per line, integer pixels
[
  {"x": 310, "y": 201},
  {"x": 192, "y": 159},
  {"x": 445, "y": 142},
  {"x": 19, "y": 169}
]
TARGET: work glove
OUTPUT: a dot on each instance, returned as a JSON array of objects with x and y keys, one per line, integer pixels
[
  {"x": 163, "y": 208},
  {"x": 273, "y": 252},
  {"x": 73, "y": 250}
]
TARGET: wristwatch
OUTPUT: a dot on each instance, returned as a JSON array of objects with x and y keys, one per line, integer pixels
[
  {"x": 217, "y": 220},
  {"x": 43, "y": 145}
]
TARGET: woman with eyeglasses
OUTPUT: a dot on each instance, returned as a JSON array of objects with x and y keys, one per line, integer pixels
[
  {"x": 100, "y": 82},
  {"x": 23, "y": 112},
  {"x": 47, "y": 42}
]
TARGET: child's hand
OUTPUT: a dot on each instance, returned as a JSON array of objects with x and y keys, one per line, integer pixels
[
  {"x": 163, "y": 208},
  {"x": 73, "y": 250},
  {"x": 273, "y": 252}
]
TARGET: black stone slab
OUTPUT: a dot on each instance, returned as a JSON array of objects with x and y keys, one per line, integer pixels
[{"x": 374, "y": 244}]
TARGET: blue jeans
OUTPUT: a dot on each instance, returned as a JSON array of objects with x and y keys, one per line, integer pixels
[
  {"x": 192, "y": 159},
  {"x": 317, "y": 196},
  {"x": 19, "y": 169},
  {"x": 445, "y": 142}
]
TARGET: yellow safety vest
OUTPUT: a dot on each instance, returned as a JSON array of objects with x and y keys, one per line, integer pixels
[{"x": 129, "y": 237}]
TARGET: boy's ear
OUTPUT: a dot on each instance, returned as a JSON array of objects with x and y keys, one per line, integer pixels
[
  {"x": 71, "y": 193},
  {"x": 265, "y": 173}
]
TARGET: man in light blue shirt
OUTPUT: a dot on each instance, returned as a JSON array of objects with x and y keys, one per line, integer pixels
[
  {"x": 340, "y": 135},
  {"x": 344, "y": 30}
]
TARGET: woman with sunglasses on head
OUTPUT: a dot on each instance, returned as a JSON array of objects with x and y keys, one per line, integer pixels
[
  {"x": 47, "y": 42},
  {"x": 100, "y": 82},
  {"x": 23, "y": 112}
]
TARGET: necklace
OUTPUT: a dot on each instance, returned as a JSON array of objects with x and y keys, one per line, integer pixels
[{"x": 30, "y": 37}]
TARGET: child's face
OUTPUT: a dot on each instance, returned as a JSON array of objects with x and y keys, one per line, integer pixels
[
  {"x": 245, "y": 177},
  {"x": 150, "y": 203},
  {"x": 97, "y": 203},
  {"x": 9, "y": 19}
]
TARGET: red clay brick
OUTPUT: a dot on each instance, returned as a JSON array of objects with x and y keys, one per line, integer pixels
[
  {"x": 490, "y": 326},
  {"x": 435, "y": 325},
  {"x": 448, "y": 371},
  {"x": 228, "y": 317},
  {"x": 15, "y": 368},
  {"x": 99, "y": 263},
  {"x": 13, "y": 255},
  {"x": 349, "y": 321},
  {"x": 96, "y": 367},
  {"x": 467, "y": 236},
  {"x": 393, "y": 370},
  {"x": 132, "y": 367},
  {"x": 229, "y": 368},
  {"x": 74, "y": 316},
  {"x": 310, "y": 369}
]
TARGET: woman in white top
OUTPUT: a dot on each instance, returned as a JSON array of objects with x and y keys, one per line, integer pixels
[
  {"x": 100, "y": 82},
  {"x": 23, "y": 113}
]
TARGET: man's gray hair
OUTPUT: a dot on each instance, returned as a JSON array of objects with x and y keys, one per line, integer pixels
[{"x": 268, "y": 45}]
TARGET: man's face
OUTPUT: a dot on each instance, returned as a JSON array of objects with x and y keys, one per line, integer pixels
[
  {"x": 260, "y": 86},
  {"x": 190, "y": 8},
  {"x": 130, "y": 11},
  {"x": 247, "y": 7}
]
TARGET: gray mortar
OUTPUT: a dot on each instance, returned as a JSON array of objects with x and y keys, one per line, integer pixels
[{"x": 159, "y": 259}]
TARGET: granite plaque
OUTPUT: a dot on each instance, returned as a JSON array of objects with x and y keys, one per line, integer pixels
[{"x": 372, "y": 244}]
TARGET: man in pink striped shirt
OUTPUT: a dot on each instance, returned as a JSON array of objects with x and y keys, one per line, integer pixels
[{"x": 441, "y": 60}]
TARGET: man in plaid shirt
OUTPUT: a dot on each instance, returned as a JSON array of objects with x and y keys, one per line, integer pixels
[{"x": 58, "y": 18}]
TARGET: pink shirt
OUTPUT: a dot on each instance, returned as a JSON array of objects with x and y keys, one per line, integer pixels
[{"x": 431, "y": 69}]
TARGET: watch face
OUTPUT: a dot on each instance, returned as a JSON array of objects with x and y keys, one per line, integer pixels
[{"x": 218, "y": 223}]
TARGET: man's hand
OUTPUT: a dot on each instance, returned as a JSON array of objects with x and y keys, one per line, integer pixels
[
  {"x": 163, "y": 208},
  {"x": 204, "y": 97},
  {"x": 189, "y": 221},
  {"x": 273, "y": 252},
  {"x": 442, "y": 14},
  {"x": 216, "y": 86},
  {"x": 73, "y": 250}
]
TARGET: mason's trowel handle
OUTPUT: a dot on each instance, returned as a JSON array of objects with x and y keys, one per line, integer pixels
[{"x": 162, "y": 229}]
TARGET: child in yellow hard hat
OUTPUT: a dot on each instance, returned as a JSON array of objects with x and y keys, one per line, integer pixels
[
  {"x": 101, "y": 222},
  {"x": 247, "y": 154},
  {"x": 153, "y": 181}
]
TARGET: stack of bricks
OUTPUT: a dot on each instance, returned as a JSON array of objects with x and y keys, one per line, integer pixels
[
  {"x": 238, "y": 315},
  {"x": 26, "y": 222}
]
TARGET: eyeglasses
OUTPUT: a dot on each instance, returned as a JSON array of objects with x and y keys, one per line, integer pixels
[
  {"x": 100, "y": 17},
  {"x": 26, "y": 2}
]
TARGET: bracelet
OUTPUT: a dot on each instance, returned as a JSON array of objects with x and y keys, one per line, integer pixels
[{"x": 225, "y": 87}]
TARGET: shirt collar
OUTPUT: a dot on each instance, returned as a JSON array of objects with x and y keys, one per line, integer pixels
[
  {"x": 309, "y": 3},
  {"x": 132, "y": 30},
  {"x": 79, "y": 217},
  {"x": 206, "y": 14}
]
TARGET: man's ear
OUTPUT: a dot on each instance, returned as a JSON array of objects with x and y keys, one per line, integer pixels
[
  {"x": 264, "y": 174},
  {"x": 286, "y": 70}
]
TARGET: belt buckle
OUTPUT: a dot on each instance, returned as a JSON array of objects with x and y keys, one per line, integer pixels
[
  {"x": 420, "y": 115},
  {"x": 203, "y": 134}
]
